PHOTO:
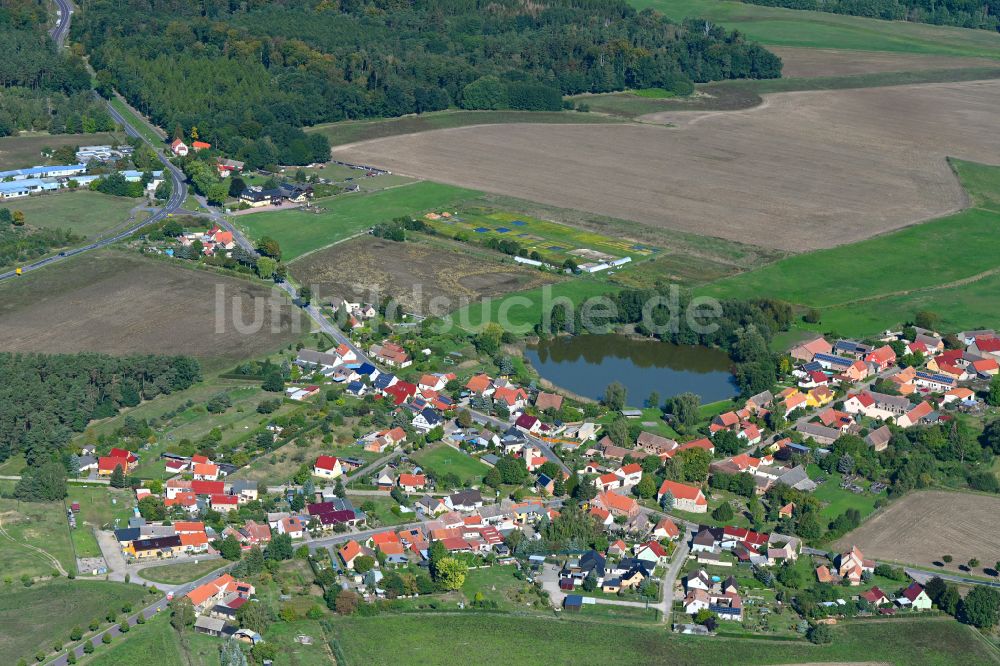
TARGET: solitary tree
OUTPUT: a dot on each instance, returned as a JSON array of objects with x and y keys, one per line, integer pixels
[
  {"x": 615, "y": 395},
  {"x": 118, "y": 477}
]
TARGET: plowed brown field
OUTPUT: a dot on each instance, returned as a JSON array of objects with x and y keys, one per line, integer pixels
[{"x": 802, "y": 171}]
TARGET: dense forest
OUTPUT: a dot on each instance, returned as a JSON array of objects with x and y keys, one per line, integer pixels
[
  {"x": 44, "y": 399},
  {"x": 248, "y": 75},
  {"x": 40, "y": 88},
  {"x": 981, "y": 14}
]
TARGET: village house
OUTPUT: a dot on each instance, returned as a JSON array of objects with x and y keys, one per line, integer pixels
[
  {"x": 411, "y": 483},
  {"x": 390, "y": 354},
  {"x": 879, "y": 438},
  {"x": 618, "y": 505},
  {"x": 807, "y": 350},
  {"x": 852, "y": 565},
  {"x": 881, "y": 358},
  {"x": 222, "y": 590},
  {"x": 686, "y": 498},
  {"x": 654, "y": 445},
  {"x": 915, "y": 597}
]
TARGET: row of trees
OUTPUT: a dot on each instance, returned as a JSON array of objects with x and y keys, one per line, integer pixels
[{"x": 981, "y": 14}]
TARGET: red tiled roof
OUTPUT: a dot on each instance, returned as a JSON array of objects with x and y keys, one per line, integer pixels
[
  {"x": 682, "y": 491},
  {"x": 326, "y": 462}
]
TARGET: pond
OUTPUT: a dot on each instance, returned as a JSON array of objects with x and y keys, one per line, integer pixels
[{"x": 586, "y": 364}]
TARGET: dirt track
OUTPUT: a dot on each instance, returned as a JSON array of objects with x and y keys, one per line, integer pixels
[
  {"x": 802, "y": 171},
  {"x": 803, "y": 62}
]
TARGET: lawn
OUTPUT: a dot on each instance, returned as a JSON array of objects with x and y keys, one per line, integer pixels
[
  {"x": 175, "y": 574},
  {"x": 790, "y": 27},
  {"x": 837, "y": 500},
  {"x": 443, "y": 459},
  {"x": 101, "y": 507},
  {"x": 346, "y": 215},
  {"x": 32, "y": 618},
  {"x": 445, "y": 639},
  {"x": 350, "y": 131},
  {"x": 383, "y": 513},
  {"x": 866, "y": 286},
  {"x": 86, "y": 213},
  {"x": 42, "y": 525},
  {"x": 519, "y": 312},
  {"x": 152, "y": 644},
  {"x": 25, "y": 150}
]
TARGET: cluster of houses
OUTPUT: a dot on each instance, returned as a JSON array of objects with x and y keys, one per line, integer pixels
[
  {"x": 20, "y": 183},
  {"x": 142, "y": 540},
  {"x": 216, "y": 604},
  {"x": 852, "y": 567},
  {"x": 213, "y": 241},
  {"x": 205, "y": 492},
  {"x": 763, "y": 550}
]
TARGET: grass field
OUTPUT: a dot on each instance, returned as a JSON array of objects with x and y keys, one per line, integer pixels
[
  {"x": 443, "y": 459},
  {"x": 924, "y": 526},
  {"x": 41, "y": 525},
  {"x": 445, "y": 639},
  {"x": 175, "y": 574},
  {"x": 882, "y": 268},
  {"x": 836, "y": 500},
  {"x": 422, "y": 273},
  {"x": 154, "y": 643},
  {"x": 97, "y": 512},
  {"x": 299, "y": 232},
  {"x": 25, "y": 150},
  {"x": 349, "y": 131},
  {"x": 85, "y": 213},
  {"x": 33, "y": 618},
  {"x": 789, "y": 27},
  {"x": 520, "y": 312},
  {"x": 196, "y": 422},
  {"x": 119, "y": 303}
]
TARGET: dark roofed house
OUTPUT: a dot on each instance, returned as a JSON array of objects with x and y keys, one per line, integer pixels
[{"x": 465, "y": 500}]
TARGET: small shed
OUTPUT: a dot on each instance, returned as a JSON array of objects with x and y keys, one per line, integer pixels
[
  {"x": 573, "y": 602},
  {"x": 209, "y": 625}
]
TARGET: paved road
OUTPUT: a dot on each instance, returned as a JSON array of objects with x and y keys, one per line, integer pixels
[
  {"x": 64, "y": 16},
  {"x": 173, "y": 204}
]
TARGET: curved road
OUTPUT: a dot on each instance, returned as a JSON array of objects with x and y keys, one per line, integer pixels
[
  {"x": 177, "y": 196},
  {"x": 64, "y": 12}
]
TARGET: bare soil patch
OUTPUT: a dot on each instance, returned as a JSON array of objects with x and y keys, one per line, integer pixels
[
  {"x": 120, "y": 303},
  {"x": 807, "y": 63},
  {"x": 802, "y": 171},
  {"x": 923, "y": 526},
  {"x": 417, "y": 274}
]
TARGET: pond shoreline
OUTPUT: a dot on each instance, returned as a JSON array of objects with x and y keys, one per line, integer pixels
[{"x": 568, "y": 363}]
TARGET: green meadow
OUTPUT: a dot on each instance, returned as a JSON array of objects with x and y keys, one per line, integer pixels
[
  {"x": 866, "y": 286},
  {"x": 792, "y": 27},
  {"x": 346, "y": 215}
]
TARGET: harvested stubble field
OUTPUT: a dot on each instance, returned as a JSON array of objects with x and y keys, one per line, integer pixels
[
  {"x": 802, "y": 171},
  {"x": 420, "y": 275},
  {"x": 807, "y": 62},
  {"x": 121, "y": 303},
  {"x": 923, "y": 526}
]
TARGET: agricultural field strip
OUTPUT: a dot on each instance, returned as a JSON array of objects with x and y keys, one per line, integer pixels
[{"x": 803, "y": 171}]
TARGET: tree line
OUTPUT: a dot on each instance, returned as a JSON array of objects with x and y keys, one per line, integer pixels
[
  {"x": 40, "y": 87},
  {"x": 979, "y": 14},
  {"x": 44, "y": 399},
  {"x": 249, "y": 75}
]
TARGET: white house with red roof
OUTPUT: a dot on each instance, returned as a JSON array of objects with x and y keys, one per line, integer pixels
[
  {"x": 881, "y": 358},
  {"x": 630, "y": 474},
  {"x": 179, "y": 148},
  {"x": 327, "y": 467}
]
